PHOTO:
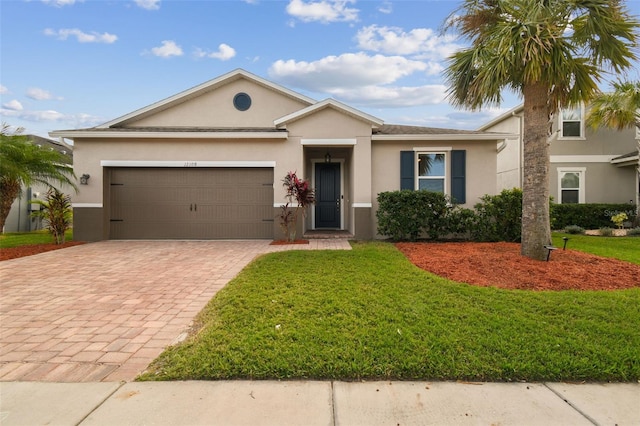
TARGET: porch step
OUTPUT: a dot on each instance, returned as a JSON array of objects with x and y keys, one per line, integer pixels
[{"x": 326, "y": 234}]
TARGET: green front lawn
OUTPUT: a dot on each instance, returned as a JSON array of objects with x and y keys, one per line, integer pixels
[
  {"x": 623, "y": 248},
  {"x": 17, "y": 239},
  {"x": 370, "y": 314}
]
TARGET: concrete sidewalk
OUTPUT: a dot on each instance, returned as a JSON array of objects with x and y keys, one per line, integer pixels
[{"x": 318, "y": 403}]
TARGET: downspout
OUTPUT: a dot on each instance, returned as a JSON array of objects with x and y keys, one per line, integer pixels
[{"x": 520, "y": 145}]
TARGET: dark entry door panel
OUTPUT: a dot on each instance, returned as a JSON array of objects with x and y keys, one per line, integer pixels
[{"x": 328, "y": 203}]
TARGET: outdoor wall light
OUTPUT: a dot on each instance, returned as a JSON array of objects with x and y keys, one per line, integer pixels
[
  {"x": 84, "y": 179},
  {"x": 327, "y": 157}
]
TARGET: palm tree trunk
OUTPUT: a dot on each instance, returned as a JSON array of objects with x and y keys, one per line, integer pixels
[
  {"x": 9, "y": 191},
  {"x": 536, "y": 228}
]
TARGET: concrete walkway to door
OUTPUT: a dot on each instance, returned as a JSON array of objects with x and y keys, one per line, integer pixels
[{"x": 103, "y": 311}]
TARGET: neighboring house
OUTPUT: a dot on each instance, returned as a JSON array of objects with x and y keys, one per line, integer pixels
[
  {"x": 19, "y": 219},
  {"x": 586, "y": 166},
  {"x": 208, "y": 163}
]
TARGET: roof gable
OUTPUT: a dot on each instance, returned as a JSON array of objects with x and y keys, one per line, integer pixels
[
  {"x": 200, "y": 90},
  {"x": 328, "y": 103},
  {"x": 518, "y": 109}
]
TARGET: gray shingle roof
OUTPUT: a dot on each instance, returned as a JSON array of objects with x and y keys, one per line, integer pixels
[
  {"x": 49, "y": 143},
  {"x": 398, "y": 129},
  {"x": 183, "y": 129}
]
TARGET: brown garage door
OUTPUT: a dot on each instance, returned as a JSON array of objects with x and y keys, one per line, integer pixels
[{"x": 191, "y": 203}]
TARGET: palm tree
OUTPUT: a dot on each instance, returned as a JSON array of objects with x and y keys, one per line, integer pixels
[
  {"x": 553, "y": 53},
  {"x": 619, "y": 109},
  {"x": 23, "y": 163}
]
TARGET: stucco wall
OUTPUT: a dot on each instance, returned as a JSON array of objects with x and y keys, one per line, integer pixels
[
  {"x": 480, "y": 167},
  {"x": 509, "y": 157},
  {"x": 604, "y": 183},
  {"x": 287, "y": 154},
  {"x": 215, "y": 109}
]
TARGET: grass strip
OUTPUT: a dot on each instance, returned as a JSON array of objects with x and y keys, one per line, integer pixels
[
  {"x": 370, "y": 314},
  {"x": 17, "y": 239},
  {"x": 623, "y": 248}
]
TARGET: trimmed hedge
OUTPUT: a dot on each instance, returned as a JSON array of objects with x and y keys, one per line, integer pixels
[
  {"x": 410, "y": 215},
  {"x": 407, "y": 215},
  {"x": 588, "y": 216},
  {"x": 499, "y": 217}
]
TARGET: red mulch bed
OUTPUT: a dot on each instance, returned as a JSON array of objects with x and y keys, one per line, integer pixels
[
  {"x": 16, "y": 252},
  {"x": 501, "y": 265}
]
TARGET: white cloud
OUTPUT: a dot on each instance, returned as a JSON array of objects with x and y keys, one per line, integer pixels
[
  {"x": 81, "y": 36},
  {"x": 224, "y": 53},
  {"x": 13, "y": 105},
  {"x": 361, "y": 79},
  {"x": 347, "y": 70},
  {"x": 36, "y": 116},
  {"x": 39, "y": 94},
  {"x": 386, "y": 7},
  {"x": 392, "y": 96},
  {"x": 148, "y": 4},
  {"x": 169, "y": 48},
  {"x": 422, "y": 42},
  {"x": 77, "y": 120},
  {"x": 324, "y": 11},
  {"x": 60, "y": 3},
  {"x": 3, "y": 90}
]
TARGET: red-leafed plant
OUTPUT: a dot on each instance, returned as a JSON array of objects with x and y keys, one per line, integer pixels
[{"x": 300, "y": 192}]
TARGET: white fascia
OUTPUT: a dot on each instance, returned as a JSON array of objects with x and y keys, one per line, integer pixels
[
  {"x": 445, "y": 137},
  {"x": 332, "y": 142},
  {"x": 186, "y": 163},
  {"x": 168, "y": 135}
]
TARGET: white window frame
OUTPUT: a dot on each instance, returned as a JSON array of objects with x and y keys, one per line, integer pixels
[
  {"x": 582, "y": 124},
  {"x": 446, "y": 153},
  {"x": 581, "y": 171}
]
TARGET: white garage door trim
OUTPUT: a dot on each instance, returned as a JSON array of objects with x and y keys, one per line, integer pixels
[{"x": 186, "y": 163}]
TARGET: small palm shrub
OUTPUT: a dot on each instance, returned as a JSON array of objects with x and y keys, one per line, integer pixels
[
  {"x": 300, "y": 192},
  {"x": 56, "y": 212}
]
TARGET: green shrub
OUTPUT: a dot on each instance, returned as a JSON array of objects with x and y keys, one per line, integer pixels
[
  {"x": 460, "y": 222},
  {"x": 606, "y": 231},
  {"x": 634, "y": 232},
  {"x": 408, "y": 215},
  {"x": 573, "y": 229},
  {"x": 588, "y": 216},
  {"x": 499, "y": 217}
]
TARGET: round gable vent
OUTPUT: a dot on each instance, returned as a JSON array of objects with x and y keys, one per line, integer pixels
[{"x": 242, "y": 101}]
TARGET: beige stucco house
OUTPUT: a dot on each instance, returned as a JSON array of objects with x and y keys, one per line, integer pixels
[
  {"x": 586, "y": 166},
  {"x": 208, "y": 163}
]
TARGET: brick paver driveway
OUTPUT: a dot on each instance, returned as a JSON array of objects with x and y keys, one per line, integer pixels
[{"x": 104, "y": 311}]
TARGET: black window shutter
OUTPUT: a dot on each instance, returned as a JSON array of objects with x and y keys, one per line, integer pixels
[
  {"x": 407, "y": 170},
  {"x": 458, "y": 179}
]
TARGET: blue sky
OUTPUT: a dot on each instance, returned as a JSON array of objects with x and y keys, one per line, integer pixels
[{"x": 69, "y": 64}]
